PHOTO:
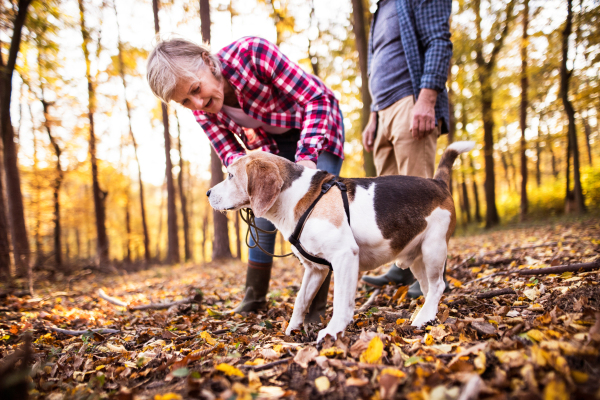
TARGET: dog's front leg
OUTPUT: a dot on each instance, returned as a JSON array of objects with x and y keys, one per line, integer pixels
[
  {"x": 345, "y": 272},
  {"x": 311, "y": 283}
]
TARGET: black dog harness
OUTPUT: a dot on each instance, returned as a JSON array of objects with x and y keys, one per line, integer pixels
[{"x": 294, "y": 239}]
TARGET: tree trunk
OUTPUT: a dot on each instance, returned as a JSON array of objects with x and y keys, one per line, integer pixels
[
  {"x": 173, "y": 234},
  {"x": 128, "y": 230},
  {"x": 4, "y": 241},
  {"x": 221, "y": 232},
  {"x": 13, "y": 181},
  {"x": 524, "y": 105},
  {"x": 204, "y": 226},
  {"x": 565, "y": 76},
  {"x": 147, "y": 255},
  {"x": 183, "y": 200},
  {"x": 160, "y": 219},
  {"x": 588, "y": 132},
  {"x": 238, "y": 236},
  {"x": 484, "y": 72},
  {"x": 538, "y": 163},
  {"x": 312, "y": 55},
  {"x": 466, "y": 206},
  {"x": 57, "y": 184},
  {"x": 360, "y": 37},
  {"x": 99, "y": 194},
  {"x": 37, "y": 237},
  {"x": 475, "y": 191}
]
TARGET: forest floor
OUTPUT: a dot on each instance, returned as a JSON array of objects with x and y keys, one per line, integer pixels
[{"x": 537, "y": 338}]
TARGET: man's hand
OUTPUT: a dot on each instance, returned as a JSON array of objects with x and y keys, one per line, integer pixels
[
  {"x": 307, "y": 164},
  {"x": 423, "y": 114},
  {"x": 368, "y": 135}
]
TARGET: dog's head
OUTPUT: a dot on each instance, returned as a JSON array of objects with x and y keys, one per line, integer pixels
[{"x": 253, "y": 181}]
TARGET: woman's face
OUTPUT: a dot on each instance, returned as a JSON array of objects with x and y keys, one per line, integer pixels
[{"x": 203, "y": 93}]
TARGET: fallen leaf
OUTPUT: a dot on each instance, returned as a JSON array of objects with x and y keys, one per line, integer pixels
[
  {"x": 322, "y": 384},
  {"x": 229, "y": 370},
  {"x": 374, "y": 351},
  {"x": 306, "y": 355}
]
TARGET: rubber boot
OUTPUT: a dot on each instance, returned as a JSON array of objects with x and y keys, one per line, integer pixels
[
  {"x": 319, "y": 303},
  {"x": 257, "y": 287},
  {"x": 394, "y": 276},
  {"x": 414, "y": 290}
]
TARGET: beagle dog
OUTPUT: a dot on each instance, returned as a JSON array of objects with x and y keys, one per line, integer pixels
[{"x": 404, "y": 219}]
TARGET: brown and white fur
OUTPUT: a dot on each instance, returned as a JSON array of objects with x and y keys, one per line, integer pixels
[{"x": 404, "y": 219}]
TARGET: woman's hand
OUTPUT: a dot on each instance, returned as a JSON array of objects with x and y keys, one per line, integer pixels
[{"x": 307, "y": 163}]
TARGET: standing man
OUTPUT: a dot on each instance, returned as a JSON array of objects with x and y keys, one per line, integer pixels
[{"x": 409, "y": 56}]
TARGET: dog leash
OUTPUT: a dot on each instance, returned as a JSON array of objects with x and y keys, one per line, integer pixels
[
  {"x": 250, "y": 220},
  {"x": 294, "y": 239}
]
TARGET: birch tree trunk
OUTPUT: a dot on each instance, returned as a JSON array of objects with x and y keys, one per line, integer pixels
[{"x": 172, "y": 233}]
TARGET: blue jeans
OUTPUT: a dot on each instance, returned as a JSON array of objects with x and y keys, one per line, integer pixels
[{"x": 327, "y": 162}]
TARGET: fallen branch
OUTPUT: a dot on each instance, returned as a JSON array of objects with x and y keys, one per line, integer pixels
[
  {"x": 110, "y": 299},
  {"x": 560, "y": 269},
  {"x": 493, "y": 262},
  {"x": 494, "y": 293},
  {"x": 83, "y": 332},
  {"x": 270, "y": 365},
  {"x": 371, "y": 300},
  {"x": 161, "y": 306},
  {"x": 483, "y": 278},
  {"x": 153, "y": 306}
]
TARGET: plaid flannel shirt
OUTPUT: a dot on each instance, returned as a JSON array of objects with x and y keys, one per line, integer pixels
[
  {"x": 425, "y": 36},
  {"x": 276, "y": 91}
]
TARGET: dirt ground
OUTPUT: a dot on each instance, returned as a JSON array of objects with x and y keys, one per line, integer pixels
[{"x": 537, "y": 338}]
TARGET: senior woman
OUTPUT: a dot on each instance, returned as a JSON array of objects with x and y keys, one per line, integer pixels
[{"x": 250, "y": 93}]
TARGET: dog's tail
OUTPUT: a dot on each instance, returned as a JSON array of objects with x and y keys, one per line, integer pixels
[{"x": 448, "y": 158}]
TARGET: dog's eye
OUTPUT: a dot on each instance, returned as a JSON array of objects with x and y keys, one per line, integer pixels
[{"x": 230, "y": 176}]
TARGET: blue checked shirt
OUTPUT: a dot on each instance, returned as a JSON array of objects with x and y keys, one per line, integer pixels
[{"x": 425, "y": 36}]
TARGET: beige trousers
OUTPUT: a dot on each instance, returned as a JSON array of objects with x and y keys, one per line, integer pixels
[{"x": 395, "y": 151}]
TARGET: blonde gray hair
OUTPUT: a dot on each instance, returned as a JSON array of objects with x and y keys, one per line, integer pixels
[{"x": 174, "y": 59}]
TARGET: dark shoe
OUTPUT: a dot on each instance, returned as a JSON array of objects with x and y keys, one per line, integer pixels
[
  {"x": 394, "y": 276},
  {"x": 319, "y": 303},
  {"x": 414, "y": 290},
  {"x": 257, "y": 287}
]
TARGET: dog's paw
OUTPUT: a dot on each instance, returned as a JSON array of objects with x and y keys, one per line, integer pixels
[
  {"x": 331, "y": 332},
  {"x": 421, "y": 320},
  {"x": 292, "y": 327}
]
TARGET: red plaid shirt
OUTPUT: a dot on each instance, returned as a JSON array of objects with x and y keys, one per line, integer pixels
[{"x": 276, "y": 91}]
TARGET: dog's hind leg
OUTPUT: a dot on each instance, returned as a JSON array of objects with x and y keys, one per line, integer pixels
[
  {"x": 311, "y": 283},
  {"x": 418, "y": 270},
  {"x": 345, "y": 271},
  {"x": 434, "y": 250}
]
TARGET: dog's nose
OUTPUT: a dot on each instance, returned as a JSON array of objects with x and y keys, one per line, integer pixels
[{"x": 208, "y": 193}]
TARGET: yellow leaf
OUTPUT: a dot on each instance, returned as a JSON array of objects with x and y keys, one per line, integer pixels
[
  {"x": 99, "y": 367},
  {"x": 579, "y": 377},
  {"x": 257, "y": 361},
  {"x": 429, "y": 340},
  {"x": 229, "y": 370},
  {"x": 400, "y": 321},
  {"x": 331, "y": 352},
  {"x": 536, "y": 335},
  {"x": 168, "y": 396},
  {"x": 480, "y": 362},
  {"x": 374, "y": 351},
  {"x": 206, "y": 336},
  {"x": 278, "y": 348},
  {"x": 394, "y": 372},
  {"x": 556, "y": 390},
  {"x": 322, "y": 384}
]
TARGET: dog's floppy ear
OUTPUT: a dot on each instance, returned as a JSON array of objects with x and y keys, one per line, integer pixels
[{"x": 264, "y": 185}]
